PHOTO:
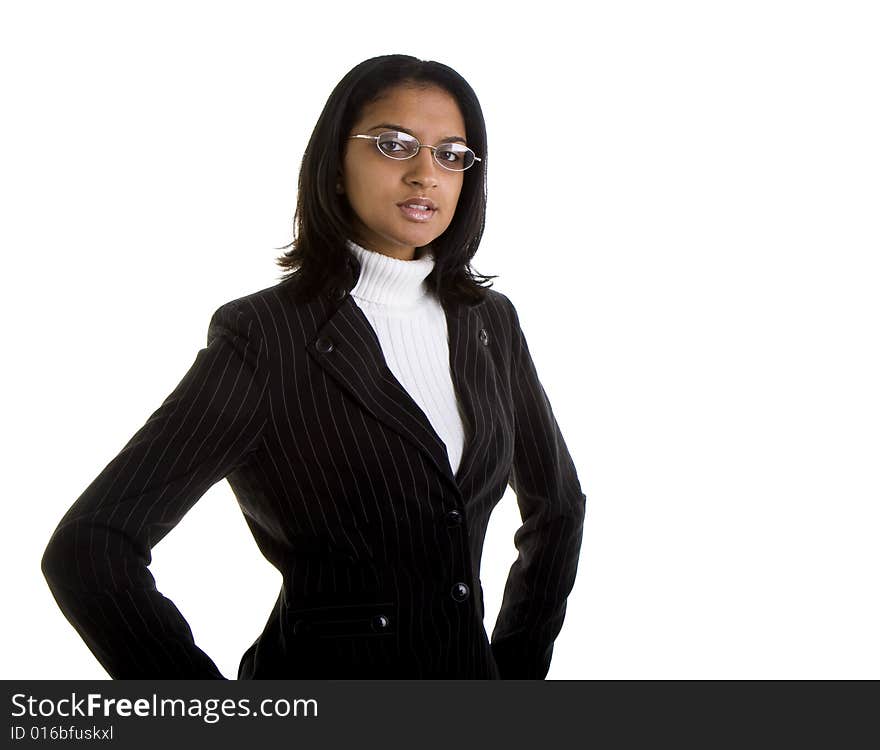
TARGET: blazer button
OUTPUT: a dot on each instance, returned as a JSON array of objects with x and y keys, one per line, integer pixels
[
  {"x": 453, "y": 518},
  {"x": 337, "y": 293},
  {"x": 324, "y": 345},
  {"x": 381, "y": 623},
  {"x": 484, "y": 337},
  {"x": 460, "y": 592},
  {"x": 302, "y": 627}
]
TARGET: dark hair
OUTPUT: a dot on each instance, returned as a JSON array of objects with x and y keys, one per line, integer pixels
[{"x": 319, "y": 261}]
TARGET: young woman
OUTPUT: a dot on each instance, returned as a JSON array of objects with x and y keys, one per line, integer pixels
[{"x": 368, "y": 411}]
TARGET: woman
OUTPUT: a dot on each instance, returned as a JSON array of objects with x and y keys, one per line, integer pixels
[{"x": 369, "y": 411}]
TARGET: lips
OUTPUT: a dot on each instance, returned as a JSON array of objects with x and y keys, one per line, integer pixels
[
  {"x": 418, "y": 200},
  {"x": 416, "y": 212}
]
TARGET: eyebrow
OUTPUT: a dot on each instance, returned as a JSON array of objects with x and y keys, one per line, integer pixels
[{"x": 391, "y": 126}]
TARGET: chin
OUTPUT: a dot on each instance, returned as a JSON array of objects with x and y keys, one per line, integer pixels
[{"x": 415, "y": 239}]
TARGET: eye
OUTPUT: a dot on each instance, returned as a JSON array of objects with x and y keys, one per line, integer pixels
[
  {"x": 397, "y": 145},
  {"x": 453, "y": 153},
  {"x": 391, "y": 145},
  {"x": 448, "y": 154}
]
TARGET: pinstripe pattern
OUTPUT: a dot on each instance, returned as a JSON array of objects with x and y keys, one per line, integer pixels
[{"x": 348, "y": 491}]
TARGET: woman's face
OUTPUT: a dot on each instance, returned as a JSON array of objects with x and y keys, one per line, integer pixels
[{"x": 377, "y": 186}]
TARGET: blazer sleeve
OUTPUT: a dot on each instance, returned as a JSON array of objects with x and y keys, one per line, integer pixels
[
  {"x": 552, "y": 508},
  {"x": 96, "y": 562}
]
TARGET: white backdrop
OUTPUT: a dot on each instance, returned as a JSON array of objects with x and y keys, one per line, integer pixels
[{"x": 707, "y": 211}]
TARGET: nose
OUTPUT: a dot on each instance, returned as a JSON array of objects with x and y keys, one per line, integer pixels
[{"x": 423, "y": 169}]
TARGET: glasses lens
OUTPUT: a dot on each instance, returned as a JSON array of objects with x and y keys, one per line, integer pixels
[
  {"x": 397, "y": 145},
  {"x": 454, "y": 156}
]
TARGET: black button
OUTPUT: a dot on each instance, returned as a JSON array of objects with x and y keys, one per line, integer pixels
[
  {"x": 460, "y": 592},
  {"x": 324, "y": 345},
  {"x": 380, "y": 623},
  {"x": 302, "y": 627},
  {"x": 453, "y": 518},
  {"x": 337, "y": 293},
  {"x": 484, "y": 337}
]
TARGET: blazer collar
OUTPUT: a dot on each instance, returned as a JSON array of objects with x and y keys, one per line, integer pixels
[{"x": 347, "y": 348}]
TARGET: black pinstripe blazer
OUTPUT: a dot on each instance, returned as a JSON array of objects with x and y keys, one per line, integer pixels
[{"x": 348, "y": 491}]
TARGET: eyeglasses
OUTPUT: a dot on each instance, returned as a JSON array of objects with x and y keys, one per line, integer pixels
[{"x": 455, "y": 157}]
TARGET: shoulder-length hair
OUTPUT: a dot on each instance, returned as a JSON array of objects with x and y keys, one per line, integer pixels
[{"x": 319, "y": 261}]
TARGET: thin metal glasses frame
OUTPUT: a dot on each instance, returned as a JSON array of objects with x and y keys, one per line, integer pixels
[{"x": 419, "y": 147}]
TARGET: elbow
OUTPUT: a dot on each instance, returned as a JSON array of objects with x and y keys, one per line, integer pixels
[
  {"x": 90, "y": 557},
  {"x": 73, "y": 560},
  {"x": 58, "y": 561}
]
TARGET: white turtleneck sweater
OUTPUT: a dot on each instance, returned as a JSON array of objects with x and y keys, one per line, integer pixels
[{"x": 411, "y": 326}]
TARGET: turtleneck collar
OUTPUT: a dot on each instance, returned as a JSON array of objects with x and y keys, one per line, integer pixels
[{"x": 389, "y": 281}]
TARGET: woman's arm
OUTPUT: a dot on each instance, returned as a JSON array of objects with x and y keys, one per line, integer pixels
[
  {"x": 552, "y": 508},
  {"x": 96, "y": 563}
]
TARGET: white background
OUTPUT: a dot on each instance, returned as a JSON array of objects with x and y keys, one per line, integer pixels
[{"x": 683, "y": 205}]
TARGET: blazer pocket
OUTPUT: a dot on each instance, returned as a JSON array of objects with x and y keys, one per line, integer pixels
[{"x": 345, "y": 620}]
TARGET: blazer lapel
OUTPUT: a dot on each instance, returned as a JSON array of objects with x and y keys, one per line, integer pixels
[
  {"x": 347, "y": 348},
  {"x": 473, "y": 376}
]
